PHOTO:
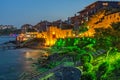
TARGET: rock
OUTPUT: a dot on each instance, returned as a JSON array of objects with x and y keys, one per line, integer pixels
[
  {"x": 53, "y": 56},
  {"x": 68, "y": 73}
]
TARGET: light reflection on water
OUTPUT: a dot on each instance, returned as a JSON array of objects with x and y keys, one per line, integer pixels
[
  {"x": 34, "y": 54},
  {"x": 14, "y": 62},
  {"x": 5, "y": 39}
]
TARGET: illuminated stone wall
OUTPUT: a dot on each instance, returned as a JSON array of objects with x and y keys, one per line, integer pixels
[
  {"x": 54, "y": 33},
  {"x": 51, "y": 35},
  {"x": 100, "y": 20}
]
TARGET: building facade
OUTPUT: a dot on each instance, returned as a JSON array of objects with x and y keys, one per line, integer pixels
[
  {"x": 51, "y": 35},
  {"x": 2, "y": 27},
  {"x": 85, "y": 14}
]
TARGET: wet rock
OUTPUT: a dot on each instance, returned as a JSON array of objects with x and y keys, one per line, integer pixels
[
  {"x": 67, "y": 73},
  {"x": 53, "y": 57}
]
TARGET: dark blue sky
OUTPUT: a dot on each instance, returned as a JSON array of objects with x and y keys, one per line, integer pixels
[{"x": 19, "y": 12}]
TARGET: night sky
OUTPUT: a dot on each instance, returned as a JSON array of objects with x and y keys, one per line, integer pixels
[{"x": 19, "y": 12}]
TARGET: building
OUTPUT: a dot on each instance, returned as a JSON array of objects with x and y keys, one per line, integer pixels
[
  {"x": 2, "y": 27},
  {"x": 42, "y": 26},
  {"x": 51, "y": 35},
  {"x": 85, "y": 14},
  {"x": 55, "y": 33},
  {"x": 26, "y": 27},
  {"x": 96, "y": 15}
]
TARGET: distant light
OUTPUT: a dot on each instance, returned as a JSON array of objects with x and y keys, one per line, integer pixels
[
  {"x": 53, "y": 32},
  {"x": 27, "y": 54},
  {"x": 13, "y": 35}
]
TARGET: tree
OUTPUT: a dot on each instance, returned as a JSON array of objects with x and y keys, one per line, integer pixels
[
  {"x": 83, "y": 28},
  {"x": 116, "y": 26},
  {"x": 26, "y": 28}
]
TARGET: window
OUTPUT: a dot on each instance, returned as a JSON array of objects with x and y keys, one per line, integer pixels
[
  {"x": 106, "y": 17},
  {"x": 92, "y": 6},
  {"x": 114, "y": 15},
  {"x": 105, "y": 4},
  {"x": 118, "y": 19},
  {"x": 110, "y": 17},
  {"x": 118, "y": 3},
  {"x": 67, "y": 33},
  {"x": 91, "y": 11}
]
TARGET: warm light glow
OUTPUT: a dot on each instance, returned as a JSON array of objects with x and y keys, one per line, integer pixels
[
  {"x": 27, "y": 55},
  {"x": 105, "y": 4},
  {"x": 73, "y": 35},
  {"x": 53, "y": 32}
]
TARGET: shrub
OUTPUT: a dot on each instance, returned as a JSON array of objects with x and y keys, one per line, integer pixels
[
  {"x": 87, "y": 67},
  {"x": 88, "y": 76},
  {"x": 102, "y": 70},
  {"x": 86, "y": 58},
  {"x": 103, "y": 67}
]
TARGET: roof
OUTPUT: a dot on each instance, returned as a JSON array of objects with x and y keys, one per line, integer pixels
[{"x": 96, "y": 3}]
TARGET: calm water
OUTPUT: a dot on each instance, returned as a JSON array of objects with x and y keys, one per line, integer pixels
[
  {"x": 6, "y": 38},
  {"x": 13, "y": 62}
]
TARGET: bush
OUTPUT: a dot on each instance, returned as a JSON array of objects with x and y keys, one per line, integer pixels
[
  {"x": 87, "y": 67},
  {"x": 88, "y": 76},
  {"x": 102, "y": 70},
  {"x": 86, "y": 58}
]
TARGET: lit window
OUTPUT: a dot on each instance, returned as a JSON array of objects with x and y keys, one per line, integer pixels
[
  {"x": 105, "y": 4},
  {"x": 110, "y": 17},
  {"x": 53, "y": 32},
  {"x": 92, "y": 6},
  {"x": 114, "y": 15},
  {"x": 118, "y": 19},
  {"x": 119, "y": 3}
]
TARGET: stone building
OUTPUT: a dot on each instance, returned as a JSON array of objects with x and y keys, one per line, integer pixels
[
  {"x": 51, "y": 35},
  {"x": 85, "y": 14},
  {"x": 26, "y": 27},
  {"x": 2, "y": 27}
]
